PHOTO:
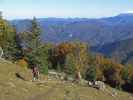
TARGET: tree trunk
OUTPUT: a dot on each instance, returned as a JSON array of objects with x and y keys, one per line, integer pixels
[
  {"x": 78, "y": 76},
  {"x": 1, "y": 52}
]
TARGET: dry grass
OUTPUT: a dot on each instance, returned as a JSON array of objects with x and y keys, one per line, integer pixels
[{"x": 13, "y": 88}]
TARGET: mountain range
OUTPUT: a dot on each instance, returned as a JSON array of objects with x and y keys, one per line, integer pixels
[
  {"x": 112, "y": 36},
  {"x": 95, "y": 31}
]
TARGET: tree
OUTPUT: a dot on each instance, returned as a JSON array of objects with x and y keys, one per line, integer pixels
[
  {"x": 112, "y": 73},
  {"x": 127, "y": 74},
  {"x": 35, "y": 29},
  {"x": 59, "y": 54},
  {"x": 33, "y": 49},
  {"x": 71, "y": 57},
  {"x": 81, "y": 54},
  {"x": 69, "y": 67},
  {"x": 30, "y": 42},
  {"x": 43, "y": 58},
  {"x": 91, "y": 73},
  {"x": 7, "y": 39}
]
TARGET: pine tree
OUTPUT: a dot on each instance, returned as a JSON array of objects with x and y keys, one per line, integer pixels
[
  {"x": 34, "y": 51},
  {"x": 35, "y": 28},
  {"x": 32, "y": 42}
]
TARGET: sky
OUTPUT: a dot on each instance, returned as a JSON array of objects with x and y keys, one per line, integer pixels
[{"x": 16, "y": 9}]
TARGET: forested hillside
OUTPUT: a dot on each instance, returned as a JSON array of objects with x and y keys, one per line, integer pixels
[{"x": 121, "y": 51}]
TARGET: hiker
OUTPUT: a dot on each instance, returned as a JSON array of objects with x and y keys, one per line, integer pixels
[{"x": 35, "y": 73}]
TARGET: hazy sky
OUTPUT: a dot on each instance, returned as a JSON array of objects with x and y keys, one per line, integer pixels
[{"x": 64, "y": 8}]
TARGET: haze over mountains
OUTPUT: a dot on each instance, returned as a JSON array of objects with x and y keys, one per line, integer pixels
[
  {"x": 95, "y": 31},
  {"x": 109, "y": 36}
]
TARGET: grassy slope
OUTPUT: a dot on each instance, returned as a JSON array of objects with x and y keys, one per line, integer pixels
[{"x": 16, "y": 89}]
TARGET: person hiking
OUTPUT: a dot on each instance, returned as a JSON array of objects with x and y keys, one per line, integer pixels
[{"x": 35, "y": 72}]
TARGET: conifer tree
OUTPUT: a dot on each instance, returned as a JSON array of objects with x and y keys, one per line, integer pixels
[
  {"x": 34, "y": 50},
  {"x": 31, "y": 42}
]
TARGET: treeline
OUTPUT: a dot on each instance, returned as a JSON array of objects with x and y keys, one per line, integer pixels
[{"x": 72, "y": 58}]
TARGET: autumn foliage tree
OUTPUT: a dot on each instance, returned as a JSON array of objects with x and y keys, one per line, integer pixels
[
  {"x": 58, "y": 54},
  {"x": 81, "y": 54},
  {"x": 8, "y": 39},
  {"x": 72, "y": 57},
  {"x": 110, "y": 70}
]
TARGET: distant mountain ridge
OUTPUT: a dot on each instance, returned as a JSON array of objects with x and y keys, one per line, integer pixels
[
  {"x": 121, "y": 51},
  {"x": 94, "y": 31}
]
